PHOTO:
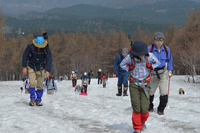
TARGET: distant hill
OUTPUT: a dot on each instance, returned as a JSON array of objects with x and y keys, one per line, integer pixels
[
  {"x": 24, "y": 6},
  {"x": 155, "y": 16}
]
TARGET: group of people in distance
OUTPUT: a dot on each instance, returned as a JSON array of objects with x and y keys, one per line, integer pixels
[{"x": 86, "y": 80}]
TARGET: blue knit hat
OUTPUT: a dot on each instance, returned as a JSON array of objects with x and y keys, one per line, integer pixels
[{"x": 139, "y": 48}]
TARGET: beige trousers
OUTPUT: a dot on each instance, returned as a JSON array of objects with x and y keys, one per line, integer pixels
[
  {"x": 50, "y": 91},
  {"x": 36, "y": 79},
  {"x": 161, "y": 83}
]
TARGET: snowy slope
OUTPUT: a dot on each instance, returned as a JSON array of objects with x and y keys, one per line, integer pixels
[{"x": 99, "y": 112}]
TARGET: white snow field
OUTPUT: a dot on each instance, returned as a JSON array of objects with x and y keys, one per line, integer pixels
[{"x": 99, "y": 112}]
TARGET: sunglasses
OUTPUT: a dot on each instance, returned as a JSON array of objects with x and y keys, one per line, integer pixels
[{"x": 159, "y": 39}]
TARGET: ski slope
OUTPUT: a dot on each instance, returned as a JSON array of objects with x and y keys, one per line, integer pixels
[{"x": 99, "y": 112}]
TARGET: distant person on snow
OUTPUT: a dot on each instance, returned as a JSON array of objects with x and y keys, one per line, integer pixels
[
  {"x": 90, "y": 74},
  {"x": 99, "y": 76},
  {"x": 122, "y": 74},
  {"x": 84, "y": 79},
  {"x": 61, "y": 78},
  {"x": 73, "y": 77},
  {"x": 104, "y": 77},
  {"x": 78, "y": 89},
  {"x": 38, "y": 57},
  {"x": 51, "y": 86},
  {"x": 139, "y": 63},
  {"x": 52, "y": 76},
  {"x": 181, "y": 91},
  {"x": 76, "y": 71},
  {"x": 25, "y": 85}
]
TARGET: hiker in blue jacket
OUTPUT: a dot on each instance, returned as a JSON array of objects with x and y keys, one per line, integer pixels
[
  {"x": 99, "y": 76},
  {"x": 122, "y": 74},
  {"x": 51, "y": 86},
  {"x": 161, "y": 74},
  {"x": 37, "y": 61}
]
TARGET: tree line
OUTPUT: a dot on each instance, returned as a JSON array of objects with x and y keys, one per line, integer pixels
[{"x": 97, "y": 50}]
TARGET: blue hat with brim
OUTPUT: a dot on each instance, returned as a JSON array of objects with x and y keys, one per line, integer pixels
[
  {"x": 139, "y": 48},
  {"x": 40, "y": 42}
]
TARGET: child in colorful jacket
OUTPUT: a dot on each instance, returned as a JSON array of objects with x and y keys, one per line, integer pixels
[
  {"x": 139, "y": 63},
  {"x": 73, "y": 77},
  {"x": 104, "y": 77}
]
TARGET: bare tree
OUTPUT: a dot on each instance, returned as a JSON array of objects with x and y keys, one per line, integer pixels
[{"x": 186, "y": 44}]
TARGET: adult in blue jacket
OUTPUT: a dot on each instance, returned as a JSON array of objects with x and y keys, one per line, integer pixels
[
  {"x": 162, "y": 73},
  {"x": 51, "y": 86},
  {"x": 37, "y": 58},
  {"x": 122, "y": 74}
]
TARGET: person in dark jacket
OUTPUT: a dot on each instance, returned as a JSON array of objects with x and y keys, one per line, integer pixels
[
  {"x": 90, "y": 74},
  {"x": 37, "y": 60},
  {"x": 84, "y": 79},
  {"x": 122, "y": 74},
  {"x": 99, "y": 76}
]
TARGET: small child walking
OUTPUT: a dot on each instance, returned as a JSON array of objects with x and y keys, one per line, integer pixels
[
  {"x": 73, "y": 77},
  {"x": 104, "y": 77},
  {"x": 25, "y": 85}
]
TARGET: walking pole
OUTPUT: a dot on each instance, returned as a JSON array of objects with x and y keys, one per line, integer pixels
[{"x": 168, "y": 93}]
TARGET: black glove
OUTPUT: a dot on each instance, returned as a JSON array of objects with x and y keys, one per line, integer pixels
[
  {"x": 45, "y": 35},
  {"x": 21, "y": 89}
]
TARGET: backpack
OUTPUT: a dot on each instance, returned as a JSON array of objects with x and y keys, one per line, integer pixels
[
  {"x": 35, "y": 56},
  {"x": 51, "y": 81},
  {"x": 85, "y": 81},
  {"x": 104, "y": 76},
  {"x": 165, "y": 47}
]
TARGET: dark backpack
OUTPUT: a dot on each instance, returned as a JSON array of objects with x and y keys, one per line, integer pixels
[
  {"x": 51, "y": 81},
  {"x": 35, "y": 55}
]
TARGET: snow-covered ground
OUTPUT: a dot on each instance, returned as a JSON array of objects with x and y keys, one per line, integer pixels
[{"x": 99, "y": 112}]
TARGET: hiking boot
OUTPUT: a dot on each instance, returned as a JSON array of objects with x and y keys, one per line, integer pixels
[
  {"x": 162, "y": 105},
  {"x": 160, "y": 113},
  {"x": 119, "y": 91},
  {"x": 150, "y": 110},
  {"x": 143, "y": 127},
  {"x": 125, "y": 91},
  {"x": 125, "y": 94},
  {"x": 118, "y": 94},
  {"x": 26, "y": 91},
  {"x": 32, "y": 101},
  {"x": 38, "y": 104},
  {"x": 137, "y": 131},
  {"x": 151, "y": 103}
]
